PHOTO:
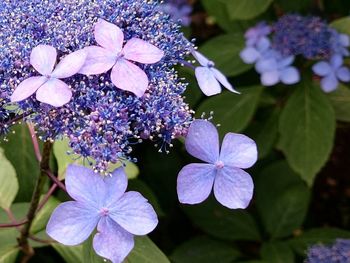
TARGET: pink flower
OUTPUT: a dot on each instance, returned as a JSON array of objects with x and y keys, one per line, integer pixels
[
  {"x": 48, "y": 87},
  {"x": 112, "y": 55}
]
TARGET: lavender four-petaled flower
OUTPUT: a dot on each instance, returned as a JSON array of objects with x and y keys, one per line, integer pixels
[
  {"x": 102, "y": 202},
  {"x": 233, "y": 187}
]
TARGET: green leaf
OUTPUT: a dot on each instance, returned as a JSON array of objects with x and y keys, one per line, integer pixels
[
  {"x": 9, "y": 255},
  {"x": 89, "y": 253},
  {"x": 19, "y": 151},
  {"x": 233, "y": 112},
  {"x": 223, "y": 223},
  {"x": 243, "y": 9},
  {"x": 295, "y": 5},
  {"x": 282, "y": 200},
  {"x": 145, "y": 251},
  {"x": 277, "y": 252},
  {"x": 342, "y": 25},
  {"x": 340, "y": 100},
  {"x": 41, "y": 219},
  {"x": 70, "y": 254},
  {"x": 307, "y": 127},
  {"x": 204, "y": 250},
  {"x": 9, "y": 183},
  {"x": 224, "y": 51},
  {"x": 315, "y": 236}
]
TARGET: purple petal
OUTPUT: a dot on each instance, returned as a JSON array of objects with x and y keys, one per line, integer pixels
[
  {"x": 270, "y": 78},
  {"x": 322, "y": 68},
  {"x": 200, "y": 58},
  {"x": 112, "y": 242},
  {"x": 27, "y": 88},
  {"x": 142, "y": 52},
  {"x": 266, "y": 65},
  {"x": 290, "y": 76},
  {"x": 99, "y": 60},
  {"x": 263, "y": 44},
  {"x": 116, "y": 185},
  {"x": 344, "y": 40},
  {"x": 238, "y": 150},
  {"x": 249, "y": 55},
  {"x": 223, "y": 80},
  {"x": 71, "y": 223},
  {"x": 70, "y": 65},
  {"x": 43, "y": 59},
  {"x": 207, "y": 81},
  {"x": 54, "y": 92},
  {"x": 202, "y": 141},
  {"x": 133, "y": 213},
  {"x": 195, "y": 182},
  {"x": 287, "y": 61},
  {"x": 336, "y": 61},
  {"x": 233, "y": 187},
  {"x": 86, "y": 186},
  {"x": 329, "y": 83},
  {"x": 127, "y": 76},
  {"x": 109, "y": 36},
  {"x": 343, "y": 74}
]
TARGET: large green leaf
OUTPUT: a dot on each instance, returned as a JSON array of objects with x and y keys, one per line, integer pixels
[
  {"x": 277, "y": 252},
  {"x": 20, "y": 152},
  {"x": 342, "y": 25},
  {"x": 340, "y": 100},
  {"x": 224, "y": 51},
  {"x": 307, "y": 127},
  {"x": 9, "y": 183},
  {"x": 204, "y": 250},
  {"x": 9, "y": 255},
  {"x": 70, "y": 254},
  {"x": 246, "y": 9},
  {"x": 233, "y": 112},
  {"x": 89, "y": 254}
]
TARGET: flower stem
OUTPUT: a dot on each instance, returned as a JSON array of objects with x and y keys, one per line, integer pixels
[{"x": 23, "y": 239}]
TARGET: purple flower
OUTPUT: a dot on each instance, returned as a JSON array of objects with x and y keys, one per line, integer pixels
[
  {"x": 331, "y": 72},
  {"x": 252, "y": 54},
  {"x": 339, "y": 252},
  {"x": 102, "y": 202},
  {"x": 254, "y": 34},
  {"x": 179, "y": 10},
  {"x": 233, "y": 187}
]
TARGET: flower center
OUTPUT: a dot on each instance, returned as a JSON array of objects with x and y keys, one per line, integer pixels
[
  {"x": 104, "y": 211},
  {"x": 219, "y": 165},
  {"x": 211, "y": 64}
]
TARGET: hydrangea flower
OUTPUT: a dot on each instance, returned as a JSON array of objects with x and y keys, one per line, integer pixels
[
  {"x": 252, "y": 54},
  {"x": 209, "y": 78},
  {"x": 179, "y": 10},
  {"x": 112, "y": 55},
  {"x": 331, "y": 72},
  {"x": 339, "y": 252},
  {"x": 256, "y": 33},
  {"x": 233, "y": 187},
  {"x": 48, "y": 87},
  {"x": 102, "y": 202}
]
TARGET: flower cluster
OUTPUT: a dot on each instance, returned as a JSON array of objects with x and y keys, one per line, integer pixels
[
  {"x": 273, "y": 50},
  {"x": 179, "y": 10},
  {"x": 339, "y": 252}
]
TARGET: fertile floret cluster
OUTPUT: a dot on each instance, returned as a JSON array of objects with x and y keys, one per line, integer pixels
[
  {"x": 101, "y": 121},
  {"x": 339, "y": 252}
]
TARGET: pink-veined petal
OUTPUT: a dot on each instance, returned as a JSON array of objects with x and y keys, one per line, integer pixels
[
  {"x": 195, "y": 182},
  {"x": 202, "y": 141},
  {"x": 54, "y": 92},
  {"x": 112, "y": 241},
  {"x": 207, "y": 82},
  {"x": 140, "y": 51},
  {"x": 127, "y": 76},
  {"x": 71, "y": 223},
  {"x": 27, "y": 88},
  {"x": 223, "y": 80},
  {"x": 233, "y": 187},
  {"x": 200, "y": 58},
  {"x": 70, "y": 65},
  {"x": 43, "y": 59},
  {"x": 99, "y": 60},
  {"x": 109, "y": 36}
]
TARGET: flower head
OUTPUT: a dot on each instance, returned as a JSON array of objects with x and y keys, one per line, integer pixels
[
  {"x": 102, "y": 202},
  {"x": 339, "y": 252},
  {"x": 254, "y": 34},
  {"x": 179, "y": 11},
  {"x": 233, "y": 187}
]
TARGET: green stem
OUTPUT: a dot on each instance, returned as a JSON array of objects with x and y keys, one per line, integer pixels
[{"x": 23, "y": 239}]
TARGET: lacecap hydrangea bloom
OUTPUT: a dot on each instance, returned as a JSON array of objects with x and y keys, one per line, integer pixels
[{"x": 339, "y": 252}]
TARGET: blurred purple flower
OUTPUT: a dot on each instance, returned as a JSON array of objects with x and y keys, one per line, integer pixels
[
  {"x": 331, "y": 72},
  {"x": 179, "y": 10},
  {"x": 254, "y": 34},
  {"x": 341, "y": 44},
  {"x": 233, "y": 187},
  {"x": 102, "y": 202},
  {"x": 339, "y": 252},
  {"x": 253, "y": 53}
]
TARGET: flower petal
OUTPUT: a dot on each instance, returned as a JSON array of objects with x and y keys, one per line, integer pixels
[
  {"x": 141, "y": 51},
  {"x": 336, "y": 61},
  {"x": 127, "y": 76},
  {"x": 249, "y": 55},
  {"x": 112, "y": 242},
  {"x": 200, "y": 58},
  {"x": 270, "y": 78},
  {"x": 70, "y": 65},
  {"x": 43, "y": 59},
  {"x": 266, "y": 65},
  {"x": 27, "y": 88},
  {"x": 207, "y": 81},
  {"x": 71, "y": 223},
  {"x": 99, "y": 60},
  {"x": 134, "y": 214},
  {"x": 329, "y": 83},
  {"x": 233, "y": 187},
  {"x": 54, "y": 92},
  {"x": 116, "y": 185},
  {"x": 238, "y": 150},
  {"x": 109, "y": 36},
  {"x": 290, "y": 75},
  {"x": 223, "y": 80},
  {"x": 343, "y": 74},
  {"x": 202, "y": 141},
  {"x": 286, "y": 61},
  {"x": 195, "y": 182},
  {"x": 322, "y": 68},
  {"x": 85, "y": 186}
]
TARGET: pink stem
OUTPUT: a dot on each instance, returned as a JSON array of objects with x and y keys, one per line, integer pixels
[
  {"x": 47, "y": 196},
  {"x": 34, "y": 141},
  {"x": 55, "y": 180}
]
